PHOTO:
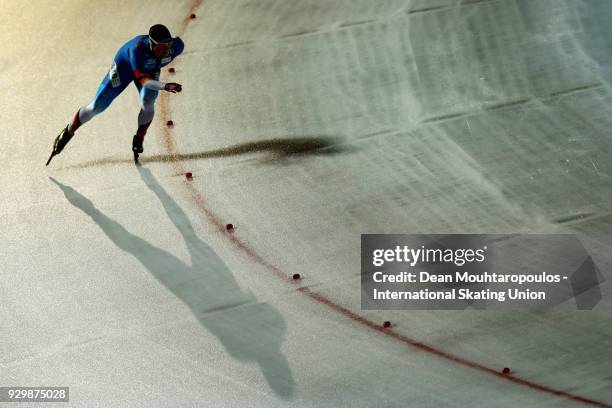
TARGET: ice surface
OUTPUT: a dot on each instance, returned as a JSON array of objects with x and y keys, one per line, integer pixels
[{"x": 305, "y": 123}]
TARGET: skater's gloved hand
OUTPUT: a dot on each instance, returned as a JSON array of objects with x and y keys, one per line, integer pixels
[{"x": 173, "y": 87}]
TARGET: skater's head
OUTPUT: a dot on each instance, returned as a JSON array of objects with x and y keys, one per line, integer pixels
[{"x": 160, "y": 40}]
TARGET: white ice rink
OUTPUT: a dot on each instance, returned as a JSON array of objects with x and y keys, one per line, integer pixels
[{"x": 305, "y": 124}]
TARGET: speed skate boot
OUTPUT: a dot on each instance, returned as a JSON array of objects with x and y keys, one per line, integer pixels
[
  {"x": 60, "y": 142},
  {"x": 137, "y": 146}
]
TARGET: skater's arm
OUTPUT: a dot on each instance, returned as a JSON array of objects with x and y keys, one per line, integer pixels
[
  {"x": 154, "y": 85},
  {"x": 147, "y": 82}
]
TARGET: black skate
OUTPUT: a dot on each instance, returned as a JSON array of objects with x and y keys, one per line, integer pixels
[
  {"x": 137, "y": 147},
  {"x": 60, "y": 142}
]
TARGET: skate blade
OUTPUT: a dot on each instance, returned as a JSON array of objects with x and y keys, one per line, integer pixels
[{"x": 50, "y": 157}]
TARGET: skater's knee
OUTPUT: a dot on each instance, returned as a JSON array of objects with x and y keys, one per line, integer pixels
[
  {"x": 86, "y": 113},
  {"x": 147, "y": 98},
  {"x": 99, "y": 105},
  {"x": 148, "y": 107}
]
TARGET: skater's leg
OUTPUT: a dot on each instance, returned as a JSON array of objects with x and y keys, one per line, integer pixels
[
  {"x": 109, "y": 89},
  {"x": 147, "y": 108},
  {"x": 101, "y": 101},
  {"x": 86, "y": 113},
  {"x": 145, "y": 117}
]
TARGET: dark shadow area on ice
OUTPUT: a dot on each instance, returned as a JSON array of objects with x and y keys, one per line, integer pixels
[
  {"x": 248, "y": 329},
  {"x": 277, "y": 147}
]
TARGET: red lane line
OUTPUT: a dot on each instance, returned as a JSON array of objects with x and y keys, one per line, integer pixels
[
  {"x": 185, "y": 22},
  {"x": 447, "y": 356},
  {"x": 197, "y": 197},
  {"x": 315, "y": 296}
]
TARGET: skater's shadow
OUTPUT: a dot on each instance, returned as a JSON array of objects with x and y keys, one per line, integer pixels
[
  {"x": 248, "y": 329},
  {"x": 276, "y": 148}
]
